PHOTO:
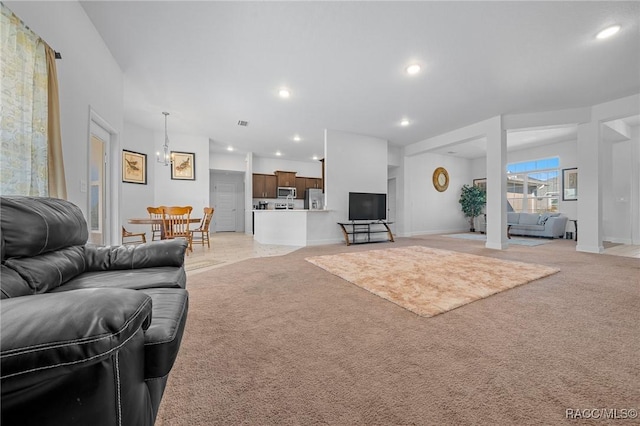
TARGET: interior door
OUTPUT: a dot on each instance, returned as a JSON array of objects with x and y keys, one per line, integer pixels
[
  {"x": 225, "y": 207},
  {"x": 98, "y": 227}
]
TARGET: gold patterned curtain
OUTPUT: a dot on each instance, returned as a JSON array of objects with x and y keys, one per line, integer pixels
[{"x": 29, "y": 156}]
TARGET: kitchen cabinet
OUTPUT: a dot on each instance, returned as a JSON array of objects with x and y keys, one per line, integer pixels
[
  {"x": 315, "y": 183},
  {"x": 301, "y": 185},
  {"x": 287, "y": 179},
  {"x": 304, "y": 183},
  {"x": 264, "y": 186}
]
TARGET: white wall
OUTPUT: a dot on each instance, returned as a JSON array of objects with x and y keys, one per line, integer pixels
[
  {"x": 136, "y": 198},
  {"x": 620, "y": 190},
  {"x": 169, "y": 192},
  {"x": 88, "y": 76},
  {"x": 354, "y": 163},
  {"x": 430, "y": 211},
  {"x": 231, "y": 162}
]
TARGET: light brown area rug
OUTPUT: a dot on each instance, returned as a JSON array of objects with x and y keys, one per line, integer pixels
[{"x": 429, "y": 281}]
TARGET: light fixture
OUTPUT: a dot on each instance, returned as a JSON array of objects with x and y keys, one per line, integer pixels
[
  {"x": 413, "y": 69},
  {"x": 404, "y": 122},
  {"x": 315, "y": 157},
  {"x": 608, "y": 32},
  {"x": 296, "y": 138},
  {"x": 278, "y": 153},
  {"x": 284, "y": 93},
  {"x": 166, "y": 156},
  {"x": 229, "y": 148}
]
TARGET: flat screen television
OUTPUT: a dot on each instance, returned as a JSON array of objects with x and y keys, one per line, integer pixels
[{"x": 367, "y": 206}]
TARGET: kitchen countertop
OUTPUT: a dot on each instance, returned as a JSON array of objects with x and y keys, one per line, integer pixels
[{"x": 290, "y": 210}]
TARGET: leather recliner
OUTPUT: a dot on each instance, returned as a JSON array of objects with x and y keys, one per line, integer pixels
[{"x": 88, "y": 334}]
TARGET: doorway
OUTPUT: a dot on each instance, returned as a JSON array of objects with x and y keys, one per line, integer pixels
[
  {"x": 391, "y": 203},
  {"x": 101, "y": 183},
  {"x": 98, "y": 185},
  {"x": 227, "y": 197}
]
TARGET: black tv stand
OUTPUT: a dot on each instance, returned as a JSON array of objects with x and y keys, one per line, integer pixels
[{"x": 352, "y": 229}]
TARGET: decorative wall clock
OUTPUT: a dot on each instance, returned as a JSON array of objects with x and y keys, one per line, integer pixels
[{"x": 440, "y": 179}]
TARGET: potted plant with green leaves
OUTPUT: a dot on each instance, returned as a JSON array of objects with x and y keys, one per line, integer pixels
[{"x": 472, "y": 200}]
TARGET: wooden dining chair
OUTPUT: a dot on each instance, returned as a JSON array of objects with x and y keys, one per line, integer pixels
[
  {"x": 203, "y": 229},
  {"x": 140, "y": 237},
  {"x": 156, "y": 228},
  {"x": 175, "y": 223}
]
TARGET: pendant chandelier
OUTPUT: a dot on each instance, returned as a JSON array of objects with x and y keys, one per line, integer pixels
[{"x": 165, "y": 157}]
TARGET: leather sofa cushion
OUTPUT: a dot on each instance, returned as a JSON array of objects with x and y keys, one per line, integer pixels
[
  {"x": 36, "y": 225},
  {"x": 67, "y": 331},
  {"x": 162, "y": 338},
  {"x": 157, "y": 253},
  {"x": 50, "y": 270},
  {"x": 12, "y": 284},
  {"x": 135, "y": 279}
]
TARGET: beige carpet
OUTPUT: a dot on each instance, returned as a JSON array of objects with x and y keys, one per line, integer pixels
[
  {"x": 429, "y": 281},
  {"x": 279, "y": 341}
]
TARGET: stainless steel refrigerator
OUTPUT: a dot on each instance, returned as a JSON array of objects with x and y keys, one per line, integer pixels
[{"x": 313, "y": 199}]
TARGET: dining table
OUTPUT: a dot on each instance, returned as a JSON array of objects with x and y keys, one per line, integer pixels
[{"x": 153, "y": 221}]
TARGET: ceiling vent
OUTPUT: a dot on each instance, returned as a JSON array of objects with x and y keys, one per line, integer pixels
[{"x": 243, "y": 123}]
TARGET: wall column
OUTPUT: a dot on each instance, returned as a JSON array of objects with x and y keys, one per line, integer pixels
[
  {"x": 590, "y": 188},
  {"x": 496, "y": 186}
]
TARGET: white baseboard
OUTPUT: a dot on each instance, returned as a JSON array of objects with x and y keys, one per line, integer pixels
[{"x": 590, "y": 249}]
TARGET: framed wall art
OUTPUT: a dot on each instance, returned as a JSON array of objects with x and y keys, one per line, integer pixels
[
  {"x": 183, "y": 165},
  {"x": 482, "y": 183},
  {"x": 570, "y": 184},
  {"x": 134, "y": 167}
]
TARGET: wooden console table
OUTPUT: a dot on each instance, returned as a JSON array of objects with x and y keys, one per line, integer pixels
[{"x": 352, "y": 229}]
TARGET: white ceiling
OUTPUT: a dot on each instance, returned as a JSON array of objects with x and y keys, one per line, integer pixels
[{"x": 211, "y": 64}]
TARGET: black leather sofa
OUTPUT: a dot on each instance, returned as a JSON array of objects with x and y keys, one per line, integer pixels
[{"x": 88, "y": 334}]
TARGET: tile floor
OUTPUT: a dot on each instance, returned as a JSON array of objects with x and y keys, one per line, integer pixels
[{"x": 227, "y": 248}]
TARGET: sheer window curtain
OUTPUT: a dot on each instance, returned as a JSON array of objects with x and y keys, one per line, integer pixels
[{"x": 31, "y": 147}]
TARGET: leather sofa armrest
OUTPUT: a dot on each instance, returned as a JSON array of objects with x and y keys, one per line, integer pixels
[
  {"x": 147, "y": 255},
  {"x": 56, "y": 333}
]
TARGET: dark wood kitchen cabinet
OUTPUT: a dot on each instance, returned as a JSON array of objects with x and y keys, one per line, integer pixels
[
  {"x": 287, "y": 179},
  {"x": 301, "y": 185},
  {"x": 304, "y": 183},
  {"x": 315, "y": 183},
  {"x": 264, "y": 186}
]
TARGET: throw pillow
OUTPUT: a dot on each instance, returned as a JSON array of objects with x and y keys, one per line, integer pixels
[{"x": 543, "y": 218}]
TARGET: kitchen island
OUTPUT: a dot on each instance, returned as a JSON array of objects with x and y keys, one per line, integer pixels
[{"x": 292, "y": 227}]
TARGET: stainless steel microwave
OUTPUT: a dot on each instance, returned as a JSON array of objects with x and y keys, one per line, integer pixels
[{"x": 286, "y": 192}]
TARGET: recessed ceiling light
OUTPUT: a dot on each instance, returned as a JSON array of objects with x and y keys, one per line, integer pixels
[
  {"x": 296, "y": 138},
  {"x": 315, "y": 157},
  {"x": 229, "y": 148},
  {"x": 284, "y": 93},
  {"x": 404, "y": 122},
  {"x": 608, "y": 32},
  {"x": 413, "y": 69},
  {"x": 278, "y": 153}
]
